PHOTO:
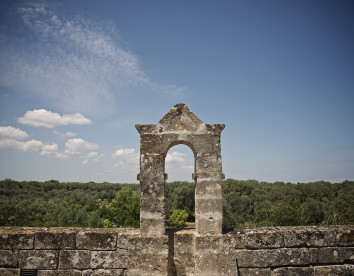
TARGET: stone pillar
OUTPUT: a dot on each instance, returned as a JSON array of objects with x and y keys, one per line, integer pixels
[
  {"x": 208, "y": 203},
  {"x": 208, "y": 189},
  {"x": 152, "y": 194}
]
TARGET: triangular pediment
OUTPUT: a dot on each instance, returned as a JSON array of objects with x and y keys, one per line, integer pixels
[{"x": 181, "y": 119}]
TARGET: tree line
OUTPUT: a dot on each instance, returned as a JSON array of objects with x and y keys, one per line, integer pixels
[{"x": 245, "y": 203}]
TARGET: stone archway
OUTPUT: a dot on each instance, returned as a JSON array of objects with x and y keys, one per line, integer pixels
[{"x": 180, "y": 126}]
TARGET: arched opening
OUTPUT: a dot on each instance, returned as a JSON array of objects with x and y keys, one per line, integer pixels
[{"x": 179, "y": 186}]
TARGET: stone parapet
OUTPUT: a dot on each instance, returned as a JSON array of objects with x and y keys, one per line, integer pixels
[{"x": 273, "y": 251}]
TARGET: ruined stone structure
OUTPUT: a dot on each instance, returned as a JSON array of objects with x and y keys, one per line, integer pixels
[
  {"x": 153, "y": 250},
  {"x": 180, "y": 126}
]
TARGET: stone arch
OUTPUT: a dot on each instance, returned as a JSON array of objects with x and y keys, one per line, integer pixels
[
  {"x": 180, "y": 126},
  {"x": 176, "y": 143}
]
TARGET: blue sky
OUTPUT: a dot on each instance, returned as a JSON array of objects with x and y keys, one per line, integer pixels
[{"x": 76, "y": 76}]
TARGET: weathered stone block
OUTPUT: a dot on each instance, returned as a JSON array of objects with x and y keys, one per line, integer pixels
[
  {"x": 96, "y": 239},
  {"x": 293, "y": 271},
  {"x": 207, "y": 188},
  {"x": 334, "y": 255},
  {"x": 235, "y": 239},
  {"x": 154, "y": 245},
  {"x": 79, "y": 259},
  {"x": 295, "y": 237},
  {"x": 184, "y": 266},
  {"x": 123, "y": 238},
  {"x": 109, "y": 259},
  {"x": 265, "y": 237},
  {"x": 311, "y": 236},
  {"x": 208, "y": 222},
  {"x": 56, "y": 239},
  {"x": 153, "y": 225},
  {"x": 345, "y": 236},
  {"x": 71, "y": 272},
  {"x": 103, "y": 272},
  {"x": 207, "y": 242},
  {"x": 38, "y": 259},
  {"x": 272, "y": 257},
  {"x": 184, "y": 252},
  {"x": 9, "y": 258},
  {"x": 321, "y": 236},
  {"x": 209, "y": 263},
  {"x": 148, "y": 255},
  {"x": 147, "y": 265},
  {"x": 16, "y": 238},
  {"x": 254, "y": 272},
  {"x": 334, "y": 270},
  {"x": 9, "y": 271},
  {"x": 184, "y": 242},
  {"x": 208, "y": 162}
]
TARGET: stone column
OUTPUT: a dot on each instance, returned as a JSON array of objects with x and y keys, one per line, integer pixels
[
  {"x": 208, "y": 194},
  {"x": 152, "y": 194}
]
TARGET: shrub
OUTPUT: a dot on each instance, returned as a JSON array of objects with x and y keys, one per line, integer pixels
[{"x": 178, "y": 219}]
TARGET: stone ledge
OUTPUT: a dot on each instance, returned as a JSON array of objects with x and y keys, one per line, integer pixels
[
  {"x": 291, "y": 237},
  {"x": 17, "y": 237},
  {"x": 96, "y": 240},
  {"x": 56, "y": 238}
]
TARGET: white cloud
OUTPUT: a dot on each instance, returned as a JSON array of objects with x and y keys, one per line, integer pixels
[
  {"x": 48, "y": 119},
  {"x": 52, "y": 152},
  {"x": 127, "y": 155},
  {"x": 128, "y": 159},
  {"x": 77, "y": 146},
  {"x": 120, "y": 163},
  {"x": 92, "y": 154},
  {"x": 32, "y": 145},
  {"x": 66, "y": 134},
  {"x": 69, "y": 134},
  {"x": 9, "y": 137},
  {"x": 10, "y": 132},
  {"x": 175, "y": 156},
  {"x": 78, "y": 64},
  {"x": 176, "y": 159},
  {"x": 92, "y": 157}
]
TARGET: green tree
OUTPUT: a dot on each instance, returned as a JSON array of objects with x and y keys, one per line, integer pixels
[
  {"x": 124, "y": 210},
  {"x": 178, "y": 219}
]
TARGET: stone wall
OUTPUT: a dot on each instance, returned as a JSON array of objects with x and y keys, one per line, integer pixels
[
  {"x": 242, "y": 251},
  {"x": 64, "y": 251}
]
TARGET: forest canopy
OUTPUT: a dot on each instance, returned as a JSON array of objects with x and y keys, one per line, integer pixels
[{"x": 246, "y": 203}]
